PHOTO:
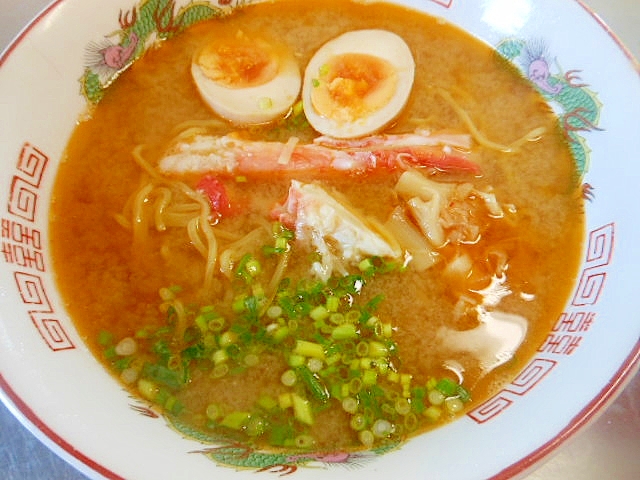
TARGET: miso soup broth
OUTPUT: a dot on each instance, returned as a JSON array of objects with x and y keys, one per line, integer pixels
[{"x": 262, "y": 282}]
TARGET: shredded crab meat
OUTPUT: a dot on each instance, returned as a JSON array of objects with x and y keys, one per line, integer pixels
[{"x": 332, "y": 228}]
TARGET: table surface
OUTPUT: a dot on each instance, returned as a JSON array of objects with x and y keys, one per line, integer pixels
[{"x": 608, "y": 448}]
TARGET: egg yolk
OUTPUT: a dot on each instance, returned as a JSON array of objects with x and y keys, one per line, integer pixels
[
  {"x": 353, "y": 85},
  {"x": 239, "y": 62}
]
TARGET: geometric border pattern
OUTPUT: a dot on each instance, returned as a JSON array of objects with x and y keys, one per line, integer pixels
[
  {"x": 23, "y": 247},
  {"x": 33, "y": 293},
  {"x": 532, "y": 374}
]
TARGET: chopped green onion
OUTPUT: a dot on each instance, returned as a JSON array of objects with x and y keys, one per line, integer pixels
[
  {"x": 333, "y": 359},
  {"x": 285, "y": 400},
  {"x": 216, "y": 324},
  {"x": 302, "y": 410},
  {"x": 463, "y": 394},
  {"x": 220, "y": 370},
  {"x": 355, "y": 385},
  {"x": 387, "y": 330},
  {"x": 411, "y": 421},
  {"x": 382, "y": 365},
  {"x": 433, "y": 413},
  {"x": 405, "y": 381},
  {"x": 281, "y": 434},
  {"x": 367, "y": 363},
  {"x": 345, "y": 390},
  {"x": 362, "y": 349},
  {"x": 447, "y": 386},
  {"x": 110, "y": 353},
  {"x": 105, "y": 338},
  {"x": 382, "y": 428},
  {"x": 393, "y": 377},
  {"x": 173, "y": 405},
  {"x": 288, "y": 378},
  {"x": 238, "y": 305},
  {"x": 366, "y": 266},
  {"x": 366, "y": 437},
  {"x": 298, "y": 108},
  {"x": 148, "y": 389},
  {"x": 281, "y": 244},
  {"x": 337, "y": 350},
  {"x": 402, "y": 406},
  {"x": 378, "y": 349},
  {"x": 228, "y": 338},
  {"x": 280, "y": 333},
  {"x": 350, "y": 404},
  {"x": 213, "y": 411},
  {"x": 220, "y": 356},
  {"x": 432, "y": 383},
  {"x": 129, "y": 375},
  {"x": 256, "y": 426},
  {"x": 267, "y": 402},
  {"x": 419, "y": 394},
  {"x": 370, "y": 377},
  {"x": 319, "y": 313},
  {"x": 332, "y": 304},
  {"x": 313, "y": 384},
  {"x": 162, "y": 375},
  {"x": 251, "y": 360},
  {"x": 253, "y": 267},
  {"x": 435, "y": 397},
  {"x": 358, "y": 422},
  {"x": 236, "y": 420},
  {"x": 209, "y": 341},
  {"x": 274, "y": 311},
  {"x": 453, "y": 405},
  {"x": 344, "y": 332},
  {"x": 352, "y": 316},
  {"x": 309, "y": 349},
  {"x": 296, "y": 360},
  {"x": 315, "y": 365}
]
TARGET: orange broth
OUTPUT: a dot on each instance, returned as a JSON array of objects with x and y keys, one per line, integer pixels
[{"x": 110, "y": 283}]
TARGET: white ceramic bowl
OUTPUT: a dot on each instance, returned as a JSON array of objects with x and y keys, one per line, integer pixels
[{"x": 52, "y": 382}]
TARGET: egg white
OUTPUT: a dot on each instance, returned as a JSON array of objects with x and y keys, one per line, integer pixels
[
  {"x": 381, "y": 44},
  {"x": 255, "y": 104}
]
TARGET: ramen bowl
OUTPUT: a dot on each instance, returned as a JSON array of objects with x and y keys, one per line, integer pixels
[{"x": 62, "y": 393}]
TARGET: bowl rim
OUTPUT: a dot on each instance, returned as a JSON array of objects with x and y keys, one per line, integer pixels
[
  {"x": 37, "y": 426},
  {"x": 47, "y": 435}
]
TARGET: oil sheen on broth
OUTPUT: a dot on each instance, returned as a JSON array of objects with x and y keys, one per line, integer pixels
[{"x": 262, "y": 328}]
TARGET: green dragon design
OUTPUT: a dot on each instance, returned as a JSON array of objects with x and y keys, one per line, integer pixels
[
  {"x": 241, "y": 456},
  {"x": 147, "y": 23},
  {"x": 577, "y": 106},
  {"x": 244, "y": 457}
]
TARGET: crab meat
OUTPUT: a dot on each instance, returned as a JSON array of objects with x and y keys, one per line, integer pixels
[
  {"x": 232, "y": 155},
  {"x": 331, "y": 227}
]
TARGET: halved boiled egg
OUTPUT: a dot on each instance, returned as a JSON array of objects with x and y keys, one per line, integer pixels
[
  {"x": 357, "y": 83},
  {"x": 247, "y": 80}
]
